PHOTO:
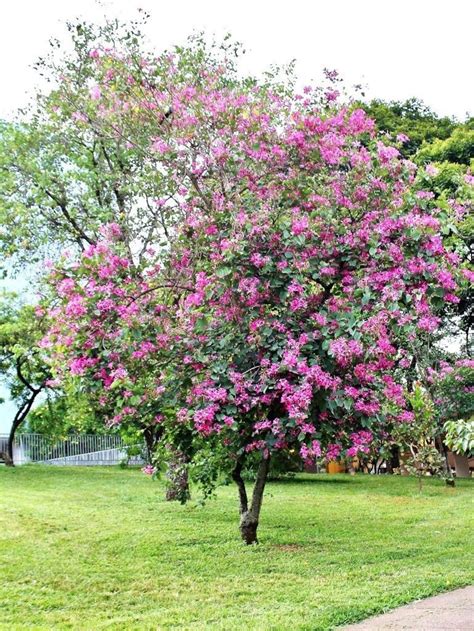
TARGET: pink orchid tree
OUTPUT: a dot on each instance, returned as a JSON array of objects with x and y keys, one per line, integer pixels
[{"x": 301, "y": 275}]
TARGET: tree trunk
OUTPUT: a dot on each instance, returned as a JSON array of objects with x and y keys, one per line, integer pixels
[
  {"x": 152, "y": 437},
  {"x": 248, "y": 528},
  {"x": 462, "y": 466},
  {"x": 249, "y": 517},
  {"x": 23, "y": 412},
  {"x": 11, "y": 439},
  {"x": 17, "y": 421},
  {"x": 6, "y": 459},
  {"x": 177, "y": 487},
  {"x": 393, "y": 461},
  {"x": 444, "y": 452}
]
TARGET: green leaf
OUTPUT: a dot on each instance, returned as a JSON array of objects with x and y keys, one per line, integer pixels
[{"x": 223, "y": 271}]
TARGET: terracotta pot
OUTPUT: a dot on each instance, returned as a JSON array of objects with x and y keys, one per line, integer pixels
[
  {"x": 462, "y": 466},
  {"x": 333, "y": 466}
]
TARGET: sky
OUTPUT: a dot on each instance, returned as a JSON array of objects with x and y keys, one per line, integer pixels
[{"x": 398, "y": 49}]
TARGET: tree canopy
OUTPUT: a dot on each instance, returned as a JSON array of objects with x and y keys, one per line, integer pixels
[{"x": 303, "y": 271}]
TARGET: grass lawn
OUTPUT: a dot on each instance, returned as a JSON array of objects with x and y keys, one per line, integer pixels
[{"x": 98, "y": 548}]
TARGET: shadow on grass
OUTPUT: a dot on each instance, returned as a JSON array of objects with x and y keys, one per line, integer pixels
[{"x": 316, "y": 480}]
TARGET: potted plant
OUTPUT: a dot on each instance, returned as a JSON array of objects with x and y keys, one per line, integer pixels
[{"x": 460, "y": 439}]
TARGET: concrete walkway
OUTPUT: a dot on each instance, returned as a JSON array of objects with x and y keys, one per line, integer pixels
[{"x": 452, "y": 611}]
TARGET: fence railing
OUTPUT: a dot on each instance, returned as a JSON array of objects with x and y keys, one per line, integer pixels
[{"x": 74, "y": 449}]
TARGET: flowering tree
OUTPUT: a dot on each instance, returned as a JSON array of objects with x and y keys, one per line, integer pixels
[
  {"x": 113, "y": 331},
  {"x": 70, "y": 167},
  {"x": 452, "y": 386},
  {"x": 302, "y": 274}
]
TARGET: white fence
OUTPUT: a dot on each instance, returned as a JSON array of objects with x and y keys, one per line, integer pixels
[{"x": 74, "y": 449}]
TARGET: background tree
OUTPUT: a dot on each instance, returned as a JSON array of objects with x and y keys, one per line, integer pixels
[
  {"x": 411, "y": 118},
  {"x": 444, "y": 148},
  {"x": 460, "y": 436},
  {"x": 418, "y": 438},
  {"x": 24, "y": 371},
  {"x": 63, "y": 412},
  {"x": 64, "y": 173}
]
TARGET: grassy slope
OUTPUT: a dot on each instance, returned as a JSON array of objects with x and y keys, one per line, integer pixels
[{"x": 98, "y": 548}]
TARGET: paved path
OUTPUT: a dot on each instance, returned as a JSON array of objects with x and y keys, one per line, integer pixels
[{"x": 452, "y": 611}]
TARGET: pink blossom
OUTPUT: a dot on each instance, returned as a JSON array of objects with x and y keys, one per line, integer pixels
[
  {"x": 431, "y": 170},
  {"x": 333, "y": 451},
  {"x": 95, "y": 93},
  {"x": 402, "y": 138},
  {"x": 149, "y": 469},
  {"x": 312, "y": 452},
  {"x": 204, "y": 419},
  {"x": 299, "y": 225},
  {"x": 406, "y": 416},
  {"x": 345, "y": 350},
  {"x": 386, "y": 153}
]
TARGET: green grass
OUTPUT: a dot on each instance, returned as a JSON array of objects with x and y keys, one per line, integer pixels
[{"x": 98, "y": 548}]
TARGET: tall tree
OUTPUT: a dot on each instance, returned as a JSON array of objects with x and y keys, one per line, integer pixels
[{"x": 308, "y": 272}]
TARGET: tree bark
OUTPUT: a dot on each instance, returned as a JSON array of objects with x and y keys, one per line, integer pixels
[
  {"x": 462, "y": 466},
  {"x": 6, "y": 459},
  {"x": 393, "y": 460},
  {"x": 24, "y": 410},
  {"x": 177, "y": 487},
  {"x": 248, "y": 528},
  {"x": 249, "y": 517},
  {"x": 444, "y": 452},
  {"x": 152, "y": 437},
  {"x": 11, "y": 437},
  {"x": 237, "y": 477},
  {"x": 20, "y": 416}
]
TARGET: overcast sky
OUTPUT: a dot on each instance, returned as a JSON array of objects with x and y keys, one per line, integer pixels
[{"x": 398, "y": 49}]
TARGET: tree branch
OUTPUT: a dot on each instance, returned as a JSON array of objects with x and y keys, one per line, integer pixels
[
  {"x": 150, "y": 289},
  {"x": 62, "y": 206},
  {"x": 237, "y": 477},
  {"x": 22, "y": 378},
  {"x": 257, "y": 495}
]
